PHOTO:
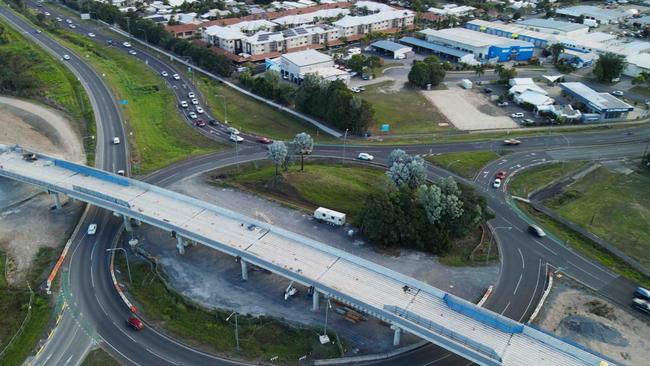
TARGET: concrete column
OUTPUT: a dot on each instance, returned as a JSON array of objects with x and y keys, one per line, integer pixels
[
  {"x": 127, "y": 223},
  {"x": 397, "y": 335},
  {"x": 180, "y": 245},
  {"x": 57, "y": 200},
  {"x": 244, "y": 270},
  {"x": 315, "y": 301}
]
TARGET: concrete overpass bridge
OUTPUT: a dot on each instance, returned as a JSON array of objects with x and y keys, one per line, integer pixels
[{"x": 407, "y": 304}]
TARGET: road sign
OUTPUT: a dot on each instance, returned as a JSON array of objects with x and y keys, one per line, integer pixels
[
  {"x": 124, "y": 101},
  {"x": 385, "y": 127}
]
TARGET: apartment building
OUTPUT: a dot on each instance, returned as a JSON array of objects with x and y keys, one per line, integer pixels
[
  {"x": 354, "y": 27},
  {"x": 275, "y": 43}
]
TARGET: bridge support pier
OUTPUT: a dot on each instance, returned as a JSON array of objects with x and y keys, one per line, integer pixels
[
  {"x": 244, "y": 270},
  {"x": 127, "y": 223},
  {"x": 57, "y": 200},
  {"x": 180, "y": 245},
  {"x": 315, "y": 301},
  {"x": 397, "y": 335}
]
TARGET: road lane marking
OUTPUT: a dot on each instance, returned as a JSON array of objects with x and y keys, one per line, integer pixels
[
  {"x": 506, "y": 308},
  {"x": 161, "y": 357},
  {"x": 523, "y": 264},
  {"x": 545, "y": 247},
  {"x": 539, "y": 271},
  {"x": 518, "y": 282},
  {"x": 511, "y": 224},
  {"x": 437, "y": 359}
]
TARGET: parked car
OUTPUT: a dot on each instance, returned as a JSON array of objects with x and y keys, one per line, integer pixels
[
  {"x": 618, "y": 93},
  {"x": 264, "y": 140},
  {"x": 164, "y": 73},
  {"x": 365, "y": 156},
  {"x": 487, "y": 90},
  {"x": 92, "y": 229},
  {"x": 199, "y": 110},
  {"x": 527, "y": 122},
  {"x": 511, "y": 142},
  {"x": 135, "y": 323},
  {"x": 236, "y": 138},
  {"x": 59, "y": 19},
  {"x": 121, "y": 172},
  {"x": 126, "y": 44},
  {"x": 642, "y": 293},
  {"x": 116, "y": 140},
  {"x": 68, "y": 21},
  {"x": 536, "y": 230},
  {"x": 184, "y": 104},
  {"x": 501, "y": 174},
  {"x": 193, "y": 115},
  {"x": 497, "y": 183},
  {"x": 176, "y": 77},
  {"x": 233, "y": 131},
  {"x": 502, "y": 104},
  {"x": 517, "y": 115}
]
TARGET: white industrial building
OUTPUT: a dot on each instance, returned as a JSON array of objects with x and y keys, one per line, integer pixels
[
  {"x": 637, "y": 64},
  {"x": 295, "y": 65},
  {"x": 553, "y": 26},
  {"x": 602, "y": 16},
  {"x": 452, "y": 9},
  {"x": 482, "y": 45}
]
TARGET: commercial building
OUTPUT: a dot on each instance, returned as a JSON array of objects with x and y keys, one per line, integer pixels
[
  {"x": 602, "y": 16},
  {"x": 396, "y": 50},
  {"x": 443, "y": 52},
  {"x": 553, "y": 26},
  {"x": 294, "y": 66},
  {"x": 226, "y": 38},
  {"x": 637, "y": 64},
  {"x": 483, "y": 46},
  {"x": 538, "y": 39},
  {"x": 354, "y": 27},
  {"x": 453, "y": 9},
  {"x": 603, "y": 106}
]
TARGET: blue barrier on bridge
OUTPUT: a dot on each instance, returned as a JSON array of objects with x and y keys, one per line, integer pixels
[
  {"x": 484, "y": 316},
  {"x": 82, "y": 169},
  {"x": 444, "y": 331}
]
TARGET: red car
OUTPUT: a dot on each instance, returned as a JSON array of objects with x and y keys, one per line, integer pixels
[
  {"x": 500, "y": 175},
  {"x": 135, "y": 323},
  {"x": 200, "y": 123},
  {"x": 264, "y": 140}
]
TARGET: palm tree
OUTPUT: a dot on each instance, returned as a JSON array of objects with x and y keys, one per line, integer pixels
[
  {"x": 479, "y": 69},
  {"x": 556, "y": 50},
  {"x": 498, "y": 69}
]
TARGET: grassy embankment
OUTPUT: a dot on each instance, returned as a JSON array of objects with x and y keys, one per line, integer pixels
[
  {"x": 54, "y": 85},
  {"x": 614, "y": 206},
  {"x": 160, "y": 136},
  {"x": 406, "y": 111},
  {"x": 99, "y": 357},
  {"x": 260, "y": 338},
  {"x": 465, "y": 164},
  {"x": 531, "y": 179}
]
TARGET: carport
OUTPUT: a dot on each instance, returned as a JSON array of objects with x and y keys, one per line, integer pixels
[{"x": 399, "y": 51}]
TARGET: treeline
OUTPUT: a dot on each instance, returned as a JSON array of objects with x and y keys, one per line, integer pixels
[
  {"x": 331, "y": 101},
  {"x": 156, "y": 34},
  {"x": 410, "y": 213}
]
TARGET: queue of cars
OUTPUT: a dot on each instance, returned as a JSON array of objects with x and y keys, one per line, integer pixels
[{"x": 641, "y": 300}]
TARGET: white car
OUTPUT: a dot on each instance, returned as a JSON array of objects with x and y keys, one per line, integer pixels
[
  {"x": 68, "y": 21},
  {"x": 72, "y": 26},
  {"x": 236, "y": 138},
  {"x": 91, "y": 35},
  {"x": 618, "y": 93},
  {"x": 233, "y": 131},
  {"x": 191, "y": 95},
  {"x": 184, "y": 104},
  {"x": 193, "y": 115},
  {"x": 497, "y": 183},
  {"x": 132, "y": 52},
  {"x": 92, "y": 229},
  {"x": 195, "y": 101},
  {"x": 66, "y": 57},
  {"x": 164, "y": 73},
  {"x": 47, "y": 13},
  {"x": 121, "y": 172},
  {"x": 176, "y": 77},
  {"x": 59, "y": 19},
  {"x": 38, "y": 31},
  {"x": 199, "y": 110},
  {"x": 116, "y": 140},
  {"x": 365, "y": 156},
  {"x": 126, "y": 44},
  {"x": 517, "y": 115}
]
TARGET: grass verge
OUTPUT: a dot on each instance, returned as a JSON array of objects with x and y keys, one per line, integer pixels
[
  {"x": 473, "y": 250},
  {"x": 159, "y": 134},
  {"x": 614, "y": 206},
  {"x": 529, "y": 180},
  {"x": 407, "y": 111},
  {"x": 338, "y": 187},
  {"x": 465, "y": 164},
  {"x": 260, "y": 338},
  {"x": 99, "y": 357},
  {"x": 55, "y": 86},
  {"x": 585, "y": 246}
]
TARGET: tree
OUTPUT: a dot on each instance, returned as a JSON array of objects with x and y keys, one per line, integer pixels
[
  {"x": 3, "y": 36},
  {"x": 304, "y": 145},
  {"x": 372, "y": 62},
  {"x": 277, "y": 153},
  {"x": 428, "y": 71},
  {"x": 397, "y": 156},
  {"x": 506, "y": 74},
  {"x": 556, "y": 50},
  {"x": 479, "y": 69},
  {"x": 406, "y": 171},
  {"x": 609, "y": 66},
  {"x": 356, "y": 63}
]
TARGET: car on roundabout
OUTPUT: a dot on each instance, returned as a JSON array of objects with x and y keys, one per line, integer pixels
[
  {"x": 365, "y": 156},
  {"x": 497, "y": 183}
]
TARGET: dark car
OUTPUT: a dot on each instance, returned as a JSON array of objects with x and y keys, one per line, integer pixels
[
  {"x": 200, "y": 123},
  {"x": 212, "y": 122},
  {"x": 264, "y": 140},
  {"x": 135, "y": 323},
  {"x": 487, "y": 90},
  {"x": 642, "y": 293}
]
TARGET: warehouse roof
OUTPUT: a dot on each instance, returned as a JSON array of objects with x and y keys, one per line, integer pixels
[
  {"x": 552, "y": 24},
  {"x": 592, "y": 12},
  {"x": 601, "y": 101},
  {"x": 434, "y": 47},
  {"x": 307, "y": 57},
  {"x": 389, "y": 45},
  {"x": 473, "y": 38}
]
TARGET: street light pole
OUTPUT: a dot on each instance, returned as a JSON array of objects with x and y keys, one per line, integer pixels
[
  {"x": 145, "y": 34},
  {"x": 345, "y": 137},
  {"x": 327, "y": 308},
  {"x": 236, "y": 328},
  {"x": 225, "y": 108},
  {"x": 127, "y": 260}
]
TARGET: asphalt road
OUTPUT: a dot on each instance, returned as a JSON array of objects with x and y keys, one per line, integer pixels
[{"x": 100, "y": 314}]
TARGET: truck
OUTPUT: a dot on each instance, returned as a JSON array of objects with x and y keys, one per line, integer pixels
[
  {"x": 591, "y": 23},
  {"x": 330, "y": 216},
  {"x": 466, "y": 84}
]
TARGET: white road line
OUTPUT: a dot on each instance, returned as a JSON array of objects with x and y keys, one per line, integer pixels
[
  {"x": 513, "y": 225},
  {"x": 539, "y": 271},
  {"x": 68, "y": 361},
  {"x": 506, "y": 308},
  {"x": 92, "y": 278},
  {"x": 545, "y": 247},
  {"x": 437, "y": 359},
  {"x": 161, "y": 357},
  {"x": 518, "y": 282},
  {"x": 523, "y": 264}
]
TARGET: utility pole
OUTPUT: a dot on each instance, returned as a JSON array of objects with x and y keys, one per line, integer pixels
[
  {"x": 345, "y": 137},
  {"x": 236, "y": 328},
  {"x": 127, "y": 260}
]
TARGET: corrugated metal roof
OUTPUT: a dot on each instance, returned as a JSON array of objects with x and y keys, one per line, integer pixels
[
  {"x": 434, "y": 47},
  {"x": 389, "y": 45}
]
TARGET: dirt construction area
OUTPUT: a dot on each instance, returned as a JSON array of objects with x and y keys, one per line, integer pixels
[
  {"x": 468, "y": 110},
  {"x": 27, "y": 221},
  {"x": 575, "y": 313}
]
